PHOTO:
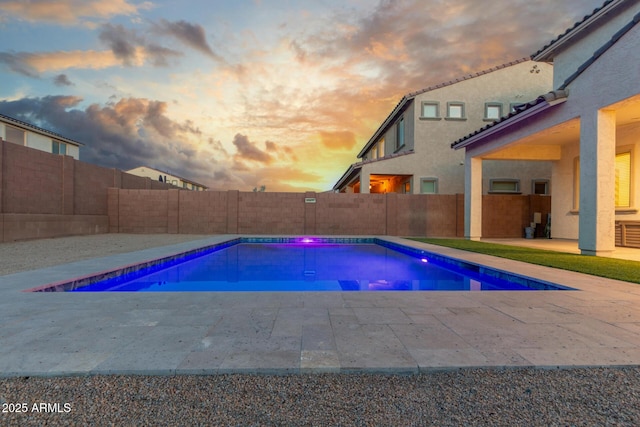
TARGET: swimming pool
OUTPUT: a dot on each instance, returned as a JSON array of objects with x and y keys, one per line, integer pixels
[{"x": 303, "y": 264}]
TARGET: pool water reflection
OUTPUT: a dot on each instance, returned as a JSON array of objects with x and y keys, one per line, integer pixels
[{"x": 302, "y": 266}]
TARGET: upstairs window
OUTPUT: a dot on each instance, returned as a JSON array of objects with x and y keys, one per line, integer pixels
[
  {"x": 430, "y": 110},
  {"x": 59, "y": 147},
  {"x": 380, "y": 148},
  {"x": 514, "y": 106},
  {"x": 400, "y": 133},
  {"x": 455, "y": 111},
  {"x": 14, "y": 135},
  {"x": 492, "y": 111}
]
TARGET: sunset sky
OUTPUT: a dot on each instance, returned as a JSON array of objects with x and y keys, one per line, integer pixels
[{"x": 240, "y": 94}]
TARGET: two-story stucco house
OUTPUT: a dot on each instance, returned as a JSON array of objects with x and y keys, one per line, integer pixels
[
  {"x": 169, "y": 178},
  {"x": 410, "y": 152},
  {"x": 588, "y": 127},
  {"x": 22, "y": 133}
]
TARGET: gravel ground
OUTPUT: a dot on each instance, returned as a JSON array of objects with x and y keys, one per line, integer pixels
[
  {"x": 522, "y": 397},
  {"x": 34, "y": 254},
  {"x": 496, "y": 397}
]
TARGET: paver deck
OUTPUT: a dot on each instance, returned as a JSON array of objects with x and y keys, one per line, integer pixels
[{"x": 205, "y": 333}]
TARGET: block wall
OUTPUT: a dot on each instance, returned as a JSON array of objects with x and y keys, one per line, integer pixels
[
  {"x": 32, "y": 181},
  {"x": 143, "y": 211},
  {"x": 507, "y": 215},
  {"x": 341, "y": 213},
  {"x": 47, "y": 195},
  {"x": 203, "y": 212},
  {"x": 233, "y": 212},
  {"x": 271, "y": 213}
]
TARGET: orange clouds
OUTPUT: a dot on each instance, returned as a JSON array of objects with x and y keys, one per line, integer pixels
[
  {"x": 55, "y": 61},
  {"x": 70, "y": 12},
  {"x": 340, "y": 140},
  {"x": 282, "y": 96}
]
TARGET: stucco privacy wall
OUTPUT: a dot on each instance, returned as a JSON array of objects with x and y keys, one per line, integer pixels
[
  {"x": 218, "y": 212},
  {"x": 47, "y": 195}
]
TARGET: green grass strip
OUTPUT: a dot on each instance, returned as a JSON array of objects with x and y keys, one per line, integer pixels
[{"x": 612, "y": 268}]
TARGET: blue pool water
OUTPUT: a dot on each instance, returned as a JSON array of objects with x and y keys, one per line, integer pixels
[{"x": 306, "y": 266}]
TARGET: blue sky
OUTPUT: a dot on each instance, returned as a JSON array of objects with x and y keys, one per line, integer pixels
[{"x": 240, "y": 94}]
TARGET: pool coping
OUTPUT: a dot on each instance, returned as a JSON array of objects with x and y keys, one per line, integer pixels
[
  {"x": 472, "y": 268},
  {"x": 332, "y": 332}
]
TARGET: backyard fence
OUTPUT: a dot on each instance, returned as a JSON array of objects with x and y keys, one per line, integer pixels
[
  {"x": 46, "y": 195},
  {"x": 234, "y": 212}
]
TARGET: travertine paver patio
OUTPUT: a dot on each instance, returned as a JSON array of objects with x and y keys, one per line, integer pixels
[{"x": 167, "y": 333}]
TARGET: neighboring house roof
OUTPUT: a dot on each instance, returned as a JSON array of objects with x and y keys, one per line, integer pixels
[
  {"x": 172, "y": 174},
  {"x": 408, "y": 98},
  {"x": 355, "y": 168},
  {"x": 547, "y": 52},
  {"x": 520, "y": 112},
  {"x": 33, "y": 128}
]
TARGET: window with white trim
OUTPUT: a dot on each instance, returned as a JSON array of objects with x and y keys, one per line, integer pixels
[
  {"x": 540, "y": 186},
  {"x": 622, "y": 191},
  {"x": 58, "y": 147},
  {"x": 623, "y": 180},
  {"x": 429, "y": 185},
  {"x": 504, "y": 186}
]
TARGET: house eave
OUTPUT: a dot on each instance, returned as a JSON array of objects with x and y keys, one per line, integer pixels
[
  {"x": 32, "y": 128},
  {"x": 347, "y": 176},
  {"x": 482, "y": 136},
  {"x": 547, "y": 53},
  {"x": 385, "y": 125}
]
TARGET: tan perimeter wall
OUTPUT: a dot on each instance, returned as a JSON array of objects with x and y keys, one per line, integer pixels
[
  {"x": 45, "y": 195},
  {"x": 234, "y": 212}
]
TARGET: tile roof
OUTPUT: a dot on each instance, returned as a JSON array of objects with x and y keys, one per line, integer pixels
[
  {"x": 598, "y": 53},
  {"x": 545, "y": 52},
  {"x": 29, "y": 126},
  {"x": 410, "y": 96},
  {"x": 551, "y": 98}
]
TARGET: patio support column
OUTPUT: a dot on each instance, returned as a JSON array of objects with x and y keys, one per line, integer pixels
[
  {"x": 597, "y": 183},
  {"x": 472, "y": 197},
  {"x": 365, "y": 181}
]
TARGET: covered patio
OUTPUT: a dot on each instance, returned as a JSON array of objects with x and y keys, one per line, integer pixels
[{"x": 587, "y": 127}]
